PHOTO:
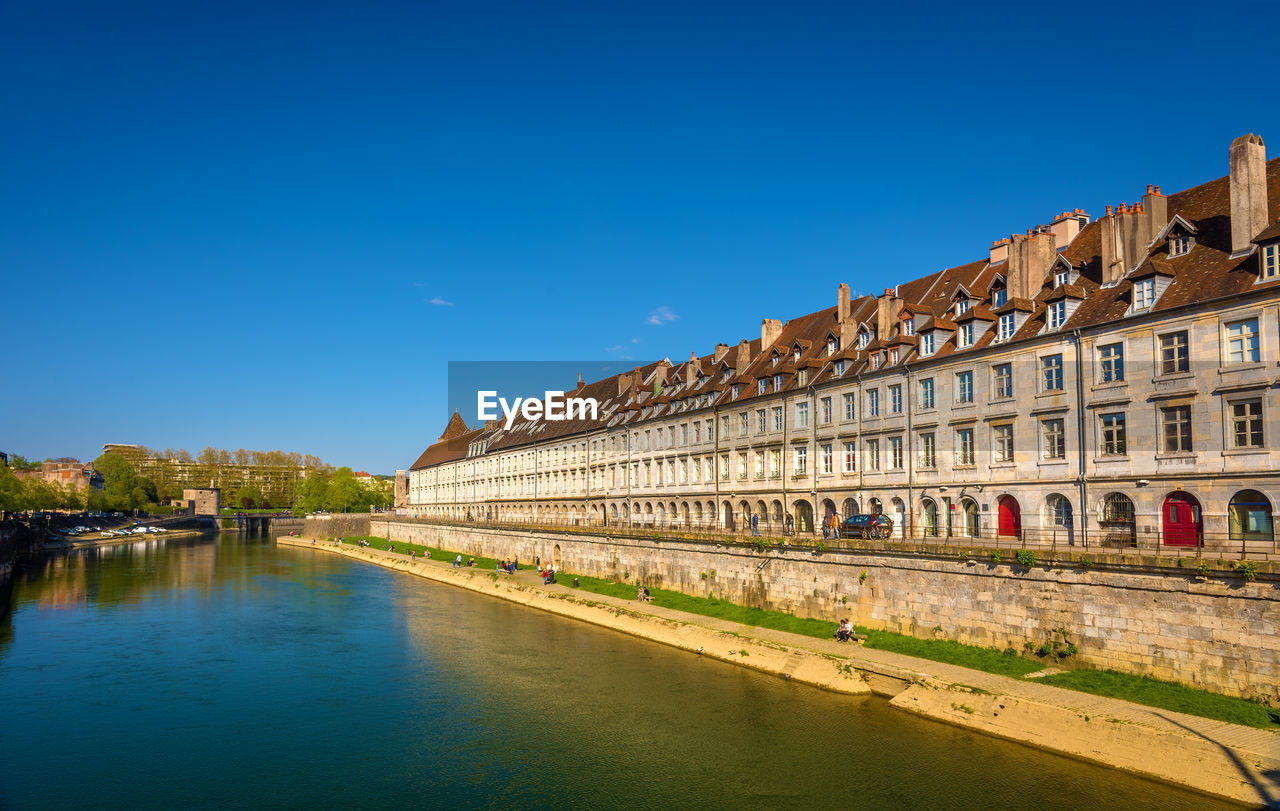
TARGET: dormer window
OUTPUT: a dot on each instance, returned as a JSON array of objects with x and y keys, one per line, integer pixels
[
  {"x": 795, "y": 354},
  {"x": 723, "y": 378},
  {"x": 1144, "y": 294},
  {"x": 893, "y": 355},
  {"x": 777, "y": 382},
  {"x": 962, "y": 306},
  {"x": 802, "y": 377},
  {"x": 908, "y": 326},
  {"x": 1180, "y": 244},
  {"x": 736, "y": 390},
  {"x": 775, "y": 359},
  {"x": 760, "y": 385},
  {"x": 1006, "y": 327},
  {"x": 1271, "y": 261},
  {"x": 999, "y": 296},
  {"x": 964, "y": 336},
  {"x": 875, "y": 360},
  {"x": 1061, "y": 277},
  {"x": 832, "y": 346},
  {"x": 926, "y": 344},
  {"x": 839, "y": 367},
  {"x": 864, "y": 338},
  {"x": 1057, "y": 314}
]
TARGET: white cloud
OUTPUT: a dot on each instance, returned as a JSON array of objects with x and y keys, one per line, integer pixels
[
  {"x": 661, "y": 316},
  {"x": 614, "y": 348},
  {"x": 440, "y": 302}
]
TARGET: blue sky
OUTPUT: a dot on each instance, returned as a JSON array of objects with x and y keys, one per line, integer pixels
[{"x": 272, "y": 225}]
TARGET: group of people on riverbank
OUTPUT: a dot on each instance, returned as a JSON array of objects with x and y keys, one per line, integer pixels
[{"x": 508, "y": 566}]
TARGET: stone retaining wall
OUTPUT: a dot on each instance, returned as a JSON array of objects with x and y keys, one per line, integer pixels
[
  {"x": 1220, "y": 634},
  {"x": 339, "y": 525}
]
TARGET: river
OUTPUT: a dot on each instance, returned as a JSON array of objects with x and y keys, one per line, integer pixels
[{"x": 231, "y": 672}]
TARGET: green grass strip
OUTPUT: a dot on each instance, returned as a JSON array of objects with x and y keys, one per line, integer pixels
[
  {"x": 1168, "y": 695},
  {"x": 446, "y": 555}
]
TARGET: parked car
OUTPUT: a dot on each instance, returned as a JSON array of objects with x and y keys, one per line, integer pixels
[{"x": 868, "y": 526}]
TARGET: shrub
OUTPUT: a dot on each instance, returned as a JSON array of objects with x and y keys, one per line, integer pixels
[
  {"x": 1086, "y": 562},
  {"x": 1248, "y": 570},
  {"x": 1203, "y": 569},
  {"x": 1026, "y": 557},
  {"x": 862, "y": 578},
  {"x": 820, "y": 546},
  {"x": 995, "y": 556}
]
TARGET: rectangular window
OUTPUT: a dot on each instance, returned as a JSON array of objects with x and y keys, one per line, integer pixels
[
  {"x": 1144, "y": 294},
  {"x": 1242, "y": 341},
  {"x": 999, "y": 296},
  {"x": 926, "y": 393},
  {"x": 964, "y": 387},
  {"x": 926, "y": 344},
  {"x": 1051, "y": 372},
  {"x": 895, "y": 399},
  {"x": 1002, "y": 441},
  {"x": 697, "y": 432},
  {"x": 775, "y": 464},
  {"x": 964, "y": 335},
  {"x": 1271, "y": 261},
  {"x": 744, "y": 422},
  {"x": 742, "y": 466},
  {"x": 1177, "y": 428},
  {"x": 1111, "y": 363},
  {"x": 802, "y": 415},
  {"x": 724, "y": 428},
  {"x": 873, "y": 403},
  {"x": 1060, "y": 278},
  {"x": 1057, "y": 314},
  {"x": 893, "y": 355},
  {"x": 850, "y": 406},
  {"x": 762, "y": 421},
  {"x": 827, "y": 458},
  {"x": 1006, "y": 327},
  {"x": 1174, "y": 354},
  {"x": 1113, "y": 435},
  {"x": 777, "y": 418},
  {"x": 908, "y": 326},
  {"x": 850, "y": 457},
  {"x": 802, "y": 461},
  {"x": 777, "y": 382},
  {"x": 895, "y": 453},
  {"x": 1053, "y": 439},
  {"x": 1246, "y": 424},
  {"x": 928, "y": 450},
  {"x": 761, "y": 386},
  {"x": 802, "y": 378},
  {"x": 759, "y": 464},
  {"x": 873, "y": 454},
  {"x": 964, "y": 446},
  {"x": 825, "y": 410},
  {"x": 1003, "y": 373},
  {"x": 724, "y": 467},
  {"x": 1179, "y": 245},
  {"x": 839, "y": 368}
]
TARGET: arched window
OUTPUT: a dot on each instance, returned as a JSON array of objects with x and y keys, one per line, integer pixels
[
  {"x": 929, "y": 517},
  {"x": 1249, "y": 517},
  {"x": 850, "y": 507},
  {"x": 971, "y": 526},
  {"x": 1117, "y": 522},
  {"x": 874, "y": 506}
]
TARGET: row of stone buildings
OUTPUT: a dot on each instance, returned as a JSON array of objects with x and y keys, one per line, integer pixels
[{"x": 1110, "y": 381}]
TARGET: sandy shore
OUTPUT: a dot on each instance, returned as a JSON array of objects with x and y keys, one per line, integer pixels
[{"x": 1238, "y": 763}]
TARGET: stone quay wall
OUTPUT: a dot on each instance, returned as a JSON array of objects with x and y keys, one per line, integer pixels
[
  {"x": 335, "y": 525},
  {"x": 1218, "y": 633}
]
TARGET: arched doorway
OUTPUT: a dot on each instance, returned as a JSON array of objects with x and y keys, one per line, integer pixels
[
  {"x": 929, "y": 516},
  {"x": 970, "y": 509},
  {"x": 1183, "y": 524},
  {"x": 850, "y": 507},
  {"x": 899, "y": 518},
  {"x": 684, "y": 513},
  {"x": 728, "y": 516},
  {"x": 874, "y": 507},
  {"x": 555, "y": 557},
  {"x": 1009, "y": 517},
  {"x": 804, "y": 516},
  {"x": 775, "y": 515},
  {"x": 1249, "y": 517},
  {"x": 662, "y": 514},
  {"x": 744, "y": 513}
]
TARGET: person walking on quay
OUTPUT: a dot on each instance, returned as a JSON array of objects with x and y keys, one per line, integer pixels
[
  {"x": 790, "y": 524},
  {"x": 457, "y": 561},
  {"x": 755, "y": 525}
]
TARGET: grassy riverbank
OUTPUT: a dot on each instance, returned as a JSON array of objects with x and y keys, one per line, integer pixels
[
  {"x": 1138, "y": 689},
  {"x": 437, "y": 553}
]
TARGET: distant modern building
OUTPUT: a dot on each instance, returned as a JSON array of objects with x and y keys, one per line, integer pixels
[
  {"x": 278, "y": 483},
  {"x": 1112, "y": 381}
]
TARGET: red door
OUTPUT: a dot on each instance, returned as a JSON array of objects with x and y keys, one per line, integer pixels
[
  {"x": 1010, "y": 516},
  {"x": 1182, "y": 520}
]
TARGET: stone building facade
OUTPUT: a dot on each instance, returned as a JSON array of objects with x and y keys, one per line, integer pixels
[{"x": 1087, "y": 382}]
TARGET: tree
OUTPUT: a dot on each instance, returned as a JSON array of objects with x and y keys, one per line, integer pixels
[
  {"x": 123, "y": 488},
  {"x": 18, "y": 462},
  {"x": 10, "y": 491},
  {"x": 249, "y": 496}
]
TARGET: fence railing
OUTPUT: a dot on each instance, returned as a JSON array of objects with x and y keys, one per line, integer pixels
[{"x": 1062, "y": 539}]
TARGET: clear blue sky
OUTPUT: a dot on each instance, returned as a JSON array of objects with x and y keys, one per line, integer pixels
[{"x": 271, "y": 225}]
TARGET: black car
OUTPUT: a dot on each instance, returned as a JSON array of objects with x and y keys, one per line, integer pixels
[{"x": 868, "y": 526}]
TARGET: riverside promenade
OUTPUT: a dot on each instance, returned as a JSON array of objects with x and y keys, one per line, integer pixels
[{"x": 1228, "y": 760}]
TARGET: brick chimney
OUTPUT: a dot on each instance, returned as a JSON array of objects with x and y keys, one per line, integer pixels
[
  {"x": 743, "y": 359},
  {"x": 770, "y": 329},
  {"x": 843, "y": 306},
  {"x": 691, "y": 369},
  {"x": 721, "y": 351},
  {"x": 1030, "y": 257},
  {"x": 626, "y": 382},
  {"x": 1248, "y": 184}
]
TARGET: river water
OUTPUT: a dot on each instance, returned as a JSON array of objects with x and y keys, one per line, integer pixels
[{"x": 230, "y": 672}]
